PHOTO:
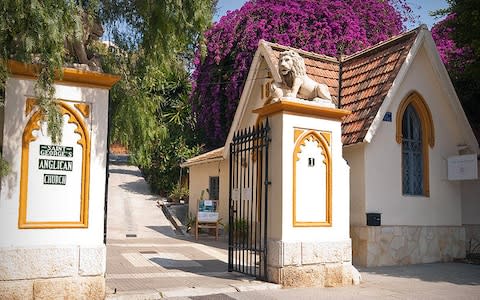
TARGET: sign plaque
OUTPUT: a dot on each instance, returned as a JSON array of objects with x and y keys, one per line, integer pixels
[{"x": 55, "y": 177}]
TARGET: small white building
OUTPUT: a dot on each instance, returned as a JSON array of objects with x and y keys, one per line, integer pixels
[{"x": 402, "y": 142}]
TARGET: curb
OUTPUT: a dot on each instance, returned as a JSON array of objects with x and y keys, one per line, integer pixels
[
  {"x": 134, "y": 295},
  {"x": 173, "y": 220},
  {"x": 193, "y": 291}
]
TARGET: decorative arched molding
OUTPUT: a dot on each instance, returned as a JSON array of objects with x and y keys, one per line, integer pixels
[
  {"x": 323, "y": 143},
  {"x": 421, "y": 107},
  {"x": 32, "y": 125},
  {"x": 428, "y": 132}
]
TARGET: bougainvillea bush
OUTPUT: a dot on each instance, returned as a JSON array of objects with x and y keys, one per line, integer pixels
[
  {"x": 462, "y": 63},
  {"x": 327, "y": 27},
  {"x": 454, "y": 57}
]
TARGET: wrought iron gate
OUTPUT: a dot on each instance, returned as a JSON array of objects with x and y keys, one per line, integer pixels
[{"x": 248, "y": 200}]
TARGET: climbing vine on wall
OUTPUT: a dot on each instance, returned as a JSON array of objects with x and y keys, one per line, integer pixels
[{"x": 36, "y": 32}]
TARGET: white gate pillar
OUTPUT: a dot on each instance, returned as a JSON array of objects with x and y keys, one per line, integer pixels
[
  {"x": 52, "y": 201},
  {"x": 308, "y": 210}
]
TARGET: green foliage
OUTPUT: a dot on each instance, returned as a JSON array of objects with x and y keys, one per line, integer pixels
[
  {"x": 155, "y": 43},
  {"x": 178, "y": 193},
  {"x": 464, "y": 20},
  {"x": 162, "y": 29},
  {"x": 150, "y": 110},
  {"x": 190, "y": 221},
  {"x": 4, "y": 167},
  {"x": 34, "y": 31},
  {"x": 164, "y": 171},
  {"x": 240, "y": 225}
]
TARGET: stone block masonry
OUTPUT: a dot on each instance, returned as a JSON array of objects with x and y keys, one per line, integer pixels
[
  {"x": 472, "y": 237},
  {"x": 45, "y": 272},
  {"x": 401, "y": 245},
  {"x": 305, "y": 264}
]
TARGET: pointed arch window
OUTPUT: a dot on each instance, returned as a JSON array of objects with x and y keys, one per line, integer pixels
[
  {"x": 412, "y": 160},
  {"x": 415, "y": 133}
]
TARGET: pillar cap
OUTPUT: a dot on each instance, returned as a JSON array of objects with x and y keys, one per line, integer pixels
[
  {"x": 301, "y": 107},
  {"x": 70, "y": 75}
]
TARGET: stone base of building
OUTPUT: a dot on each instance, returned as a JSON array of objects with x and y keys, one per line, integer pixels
[
  {"x": 306, "y": 264},
  {"x": 472, "y": 237},
  {"x": 401, "y": 245},
  {"x": 52, "y": 272}
]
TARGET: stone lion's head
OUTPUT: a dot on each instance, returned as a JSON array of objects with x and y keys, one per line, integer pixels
[{"x": 291, "y": 63}]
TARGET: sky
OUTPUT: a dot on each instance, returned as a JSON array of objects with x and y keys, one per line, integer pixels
[{"x": 420, "y": 8}]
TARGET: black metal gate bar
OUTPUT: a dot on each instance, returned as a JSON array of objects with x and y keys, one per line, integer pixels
[{"x": 248, "y": 192}]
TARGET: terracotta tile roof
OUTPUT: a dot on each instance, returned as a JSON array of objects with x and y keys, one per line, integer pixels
[
  {"x": 366, "y": 79},
  {"x": 213, "y": 155},
  {"x": 367, "y": 76}
]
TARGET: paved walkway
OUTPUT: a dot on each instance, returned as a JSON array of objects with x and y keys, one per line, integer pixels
[
  {"x": 147, "y": 260},
  {"x": 427, "y": 281},
  {"x": 145, "y": 257}
]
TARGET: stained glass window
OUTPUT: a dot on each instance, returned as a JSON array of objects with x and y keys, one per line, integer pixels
[{"x": 412, "y": 156}]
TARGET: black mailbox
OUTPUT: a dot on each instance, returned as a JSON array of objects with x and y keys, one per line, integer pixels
[{"x": 374, "y": 219}]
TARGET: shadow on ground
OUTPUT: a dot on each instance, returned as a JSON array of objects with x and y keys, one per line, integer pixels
[
  {"x": 166, "y": 230},
  {"x": 135, "y": 187},
  {"x": 456, "y": 273},
  {"x": 191, "y": 266},
  {"x": 126, "y": 172}
]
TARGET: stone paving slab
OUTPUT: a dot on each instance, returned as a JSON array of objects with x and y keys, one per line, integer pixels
[
  {"x": 159, "y": 267},
  {"x": 427, "y": 281},
  {"x": 146, "y": 259}
]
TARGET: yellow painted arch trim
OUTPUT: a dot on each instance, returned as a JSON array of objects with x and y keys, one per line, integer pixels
[
  {"x": 421, "y": 107},
  {"x": 323, "y": 143},
  {"x": 84, "y": 141},
  {"x": 428, "y": 132}
]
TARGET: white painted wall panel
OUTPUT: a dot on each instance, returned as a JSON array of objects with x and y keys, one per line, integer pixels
[
  {"x": 17, "y": 90},
  {"x": 383, "y": 177}
]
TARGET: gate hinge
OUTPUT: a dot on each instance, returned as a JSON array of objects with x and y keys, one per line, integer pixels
[{"x": 268, "y": 182}]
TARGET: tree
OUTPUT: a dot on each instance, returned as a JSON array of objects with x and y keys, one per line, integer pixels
[
  {"x": 459, "y": 45},
  {"x": 322, "y": 26},
  {"x": 34, "y": 31},
  {"x": 150, "y": 41},
  {"x": 155, "y": 44}
]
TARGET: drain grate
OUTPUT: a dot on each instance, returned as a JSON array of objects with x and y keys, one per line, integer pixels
[{"x": 148, "y": 252}]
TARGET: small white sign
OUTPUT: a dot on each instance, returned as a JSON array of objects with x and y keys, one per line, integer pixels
[
  {"x": 204, "y": 216},
  {"x": 55, "y": 176},
  {"x": 463, "y": 167},
  {"x": 247, "y": 193},
  {"x": 236, "y": 194}
]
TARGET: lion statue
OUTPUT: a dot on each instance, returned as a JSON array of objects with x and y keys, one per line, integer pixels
[{"x": 295, "y": 81}]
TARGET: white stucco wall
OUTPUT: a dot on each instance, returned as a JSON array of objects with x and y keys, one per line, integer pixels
[
  {"x": 471, "y": 201},
  {"x": 256, "y": 100},
  {"x": 339, "y": 231},
  {"x": 199, "y": 181},
  {"x": 276, "y": 210},
  {"x": 17, "y": 91},
  {"x": 383, "y": 178},
  {"x": 355, "y": 157}
]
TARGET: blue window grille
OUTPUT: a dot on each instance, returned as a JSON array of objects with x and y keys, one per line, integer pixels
[{"x": 412, "y": 155}]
